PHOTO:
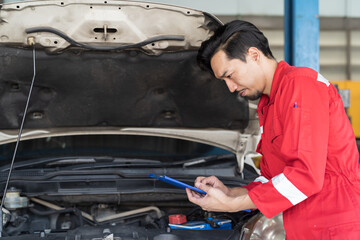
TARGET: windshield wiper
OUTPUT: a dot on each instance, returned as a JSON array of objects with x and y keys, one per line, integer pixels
[
  {"x": 103, "y": 48},
  {"x": 155, "y": 163},
  {"x": 88, "y": 162},
  {"x": 108, "y": 161},
  {"x": 207, "y": 159}
]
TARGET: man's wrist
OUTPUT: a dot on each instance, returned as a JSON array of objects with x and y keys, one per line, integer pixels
[
  {"x": 241, "y": 202},
  {"x": 237, "y": 191},
  {"x": 236, "y": 204}
]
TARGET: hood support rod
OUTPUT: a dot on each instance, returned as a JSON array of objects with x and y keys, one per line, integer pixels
[{"x": 31, "y": 43}]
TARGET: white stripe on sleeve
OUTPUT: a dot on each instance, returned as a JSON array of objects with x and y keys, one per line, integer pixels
[
  {"x": 287, "y": 189},
  {"x": 320, "y": 78},
  {"x": 261, "y": 179}
]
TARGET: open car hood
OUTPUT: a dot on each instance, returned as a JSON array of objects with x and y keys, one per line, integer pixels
[
  {"x": 104, "y": 25},
  {"x": 114, "y": 66}
]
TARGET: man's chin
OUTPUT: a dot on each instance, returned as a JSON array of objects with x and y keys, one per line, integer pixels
[{"x": 255, "y": 96}]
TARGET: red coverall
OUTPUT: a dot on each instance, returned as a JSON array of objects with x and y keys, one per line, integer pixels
[{"x": 309, "y": 169}]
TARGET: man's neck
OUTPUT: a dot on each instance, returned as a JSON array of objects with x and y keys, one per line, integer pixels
[{"x": 269, "y": 67}]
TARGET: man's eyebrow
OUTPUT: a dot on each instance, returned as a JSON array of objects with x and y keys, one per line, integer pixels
[{"x": 224, "y": 74}]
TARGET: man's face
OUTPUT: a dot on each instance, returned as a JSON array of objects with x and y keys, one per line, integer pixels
[{"x": 246, "y": 78}]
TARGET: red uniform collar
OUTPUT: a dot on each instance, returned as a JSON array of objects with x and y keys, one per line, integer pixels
[{"x": 279, "y": 72}]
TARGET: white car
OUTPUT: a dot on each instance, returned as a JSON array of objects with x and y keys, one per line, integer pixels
[{"x": 117, "y": 96}]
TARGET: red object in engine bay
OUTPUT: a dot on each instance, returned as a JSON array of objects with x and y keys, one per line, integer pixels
[{"x": 177, "y": 219}]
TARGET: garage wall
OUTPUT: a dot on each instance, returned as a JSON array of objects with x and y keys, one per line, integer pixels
[
  {"x": 332, "y": 8},
  {"x": 328, "y": 8}
]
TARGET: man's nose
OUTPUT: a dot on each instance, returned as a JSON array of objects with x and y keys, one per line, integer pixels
[{"x": 231, "y": 85}]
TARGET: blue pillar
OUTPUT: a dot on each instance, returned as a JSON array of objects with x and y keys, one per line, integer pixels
[{"x": 302, "y": 33}]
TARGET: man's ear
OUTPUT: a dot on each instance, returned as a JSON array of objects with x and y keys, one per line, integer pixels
[{"x": 254, "y": 54}]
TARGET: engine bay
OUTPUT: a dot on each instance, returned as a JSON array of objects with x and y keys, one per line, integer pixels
[{"x": 36, "y": 218}]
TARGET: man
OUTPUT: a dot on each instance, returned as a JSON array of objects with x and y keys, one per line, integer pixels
[{"x": 309, "y": 168}]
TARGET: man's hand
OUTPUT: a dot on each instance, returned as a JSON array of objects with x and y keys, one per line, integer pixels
[
  {"x": 219, "y": 198},
  {"x": 213, "y": 182}
]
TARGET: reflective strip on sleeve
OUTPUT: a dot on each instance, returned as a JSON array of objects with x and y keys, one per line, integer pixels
[
  {"x": 287, "y": 189},
  {"x": 320, "y": 78},
  {"x": 261, "y": 179}
]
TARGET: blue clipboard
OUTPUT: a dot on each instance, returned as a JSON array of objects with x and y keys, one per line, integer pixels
[{"x": 177, "y": 183}]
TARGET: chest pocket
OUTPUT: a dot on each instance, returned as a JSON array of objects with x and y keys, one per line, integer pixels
[{"x": 272, "y": 138}]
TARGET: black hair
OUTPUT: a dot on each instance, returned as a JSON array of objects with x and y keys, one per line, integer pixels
[{"x": 234, "y": 38}]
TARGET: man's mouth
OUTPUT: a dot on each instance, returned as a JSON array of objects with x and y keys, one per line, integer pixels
[{"x": 242, "y": 92}]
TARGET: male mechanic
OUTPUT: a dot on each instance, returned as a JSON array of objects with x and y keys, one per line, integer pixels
[{"x": 309, "y": 166}]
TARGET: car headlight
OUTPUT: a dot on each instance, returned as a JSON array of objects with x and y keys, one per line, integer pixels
[{"x": 262, "y": 228}]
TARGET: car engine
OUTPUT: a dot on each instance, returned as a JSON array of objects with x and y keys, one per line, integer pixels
[{"x": 78, "y": 219}]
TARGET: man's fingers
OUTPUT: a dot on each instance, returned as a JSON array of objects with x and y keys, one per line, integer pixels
[
  {"x": 192, "y": 196},
  {"x": 204, "y": 187},
  {"x": 206, "y": 180},
  {"x": 199, "y": 179},
  {"x": 189, "y": 194},
  {"x": 212, "y": 181}
]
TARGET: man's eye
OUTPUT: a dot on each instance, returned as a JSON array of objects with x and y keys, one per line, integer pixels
[{"x": 229, "y": 76}]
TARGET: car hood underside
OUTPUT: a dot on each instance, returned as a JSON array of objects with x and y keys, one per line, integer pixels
[{"x": 103, "y": 79}]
